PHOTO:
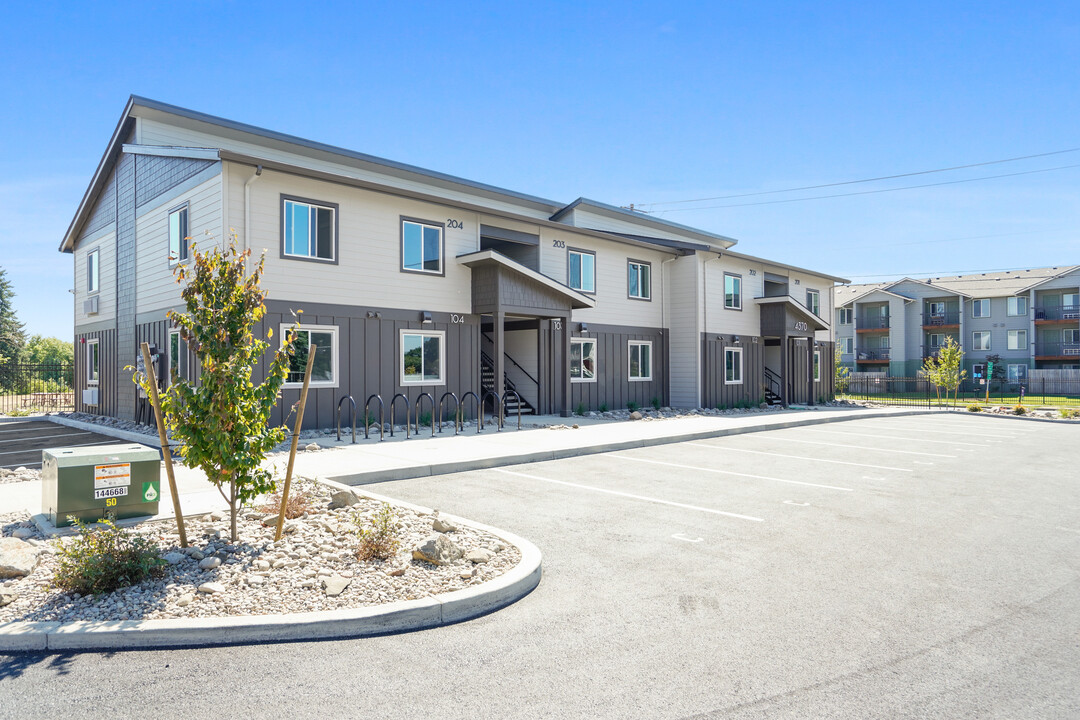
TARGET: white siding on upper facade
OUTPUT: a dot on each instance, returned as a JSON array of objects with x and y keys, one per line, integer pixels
[
  {"x": 155, "y": 132},
  {"x": 723, "y": 320},
  {"x": 156, "y": 289},
  {"x": 105, "y": 244}
]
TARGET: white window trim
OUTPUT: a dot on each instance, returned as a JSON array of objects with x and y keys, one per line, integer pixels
[
  {"x": 441, "y": 334},
  {"x": 1009, "y": 372},
  {"x": 842, "y": 312},
  {"x": 283, "y": 330},
  {"x": 641, "y": 264},
  {"x": 594, "y": 343},
  {"x": 639, "y": 343},
  {"x": 975, "y": 344},
  {"x": 1019, "y": 345},
  {"x": 185, "y": 249},
  {"x": 93, "y": 382},
  {"x": 737, "y": 296},
  {"x": 817, "y": 366},
  {"x": 1016, "y": 299},
  {"x": 738, "y": 351},
  {"x": 96, "y": 255},
  {"x": 847, "y": 346},
  {"x": 442, "y": 248},
  {"x": 809, "y": 305},
  {"x": 978, "y": 303},
  {"x": 570, "y": 280}
]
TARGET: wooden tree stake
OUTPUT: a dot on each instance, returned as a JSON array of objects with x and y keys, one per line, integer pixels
[
  {"x": 166, "y": 451},
  {"x": 295, "y": 441}
]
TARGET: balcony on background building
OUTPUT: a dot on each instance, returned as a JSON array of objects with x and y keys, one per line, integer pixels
[
  {"x": 874, "y": 324},
  {"x": 1057, "y": 351},
  {"x": 1058, "y": 313},
  {"x": 948, "y": 318},
  {"x": 878, "y": 355}
]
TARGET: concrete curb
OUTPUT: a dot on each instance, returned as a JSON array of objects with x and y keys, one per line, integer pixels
[
  {"x": 376, "y": 476},
  {"x": 1024, "y": 418},
  {"x": 129, "y": 436},
  {"x": 404, "y": 616}
]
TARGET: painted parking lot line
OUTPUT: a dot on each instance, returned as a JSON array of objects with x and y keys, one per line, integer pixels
[
  {"x": 46, "y": 435},
  {"x": 858, "y": 447},
  {"x": 631, "y": 496},
  {"x": 797, "y": 457},
  {"x": 730, "y": 472},
  {"x": 893, "y": 437},
  {"x": 23, "y": 452},
  {"x": 946, "y": 432}
]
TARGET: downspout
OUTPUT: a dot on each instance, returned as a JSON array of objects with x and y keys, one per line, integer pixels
[{"x": 247, "y": 207}]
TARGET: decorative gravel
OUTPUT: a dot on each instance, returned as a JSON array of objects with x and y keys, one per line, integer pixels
[
  {"x": 19, "y": 474},
  {"x": 257, "y": 576}
]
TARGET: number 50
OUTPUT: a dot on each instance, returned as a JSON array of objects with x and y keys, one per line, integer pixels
[{"x": 111, "y": 502}]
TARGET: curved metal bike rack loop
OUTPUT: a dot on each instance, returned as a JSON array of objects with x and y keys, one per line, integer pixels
[
  {"x": 382, "y": 416},
  {"x": 457, "y": 411},
  {"x": 393, "y": 401},
  {"x": 479, "y": 410},
  {"x": 497, "y": 413},
  {"x": 506, "y": 396},
  {"x": 416, "y": 412},
  {"x": 352, "y": 414}
]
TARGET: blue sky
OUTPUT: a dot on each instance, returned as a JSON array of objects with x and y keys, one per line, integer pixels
[{"x": 625, "y": 103}]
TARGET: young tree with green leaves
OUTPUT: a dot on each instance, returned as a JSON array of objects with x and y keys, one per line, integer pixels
[
  {"x": 223, "y": 420},
  {"x": 944, "y": 370}
]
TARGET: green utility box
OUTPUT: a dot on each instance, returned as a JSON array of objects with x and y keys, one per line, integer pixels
[{"x": 98, "y": 482}]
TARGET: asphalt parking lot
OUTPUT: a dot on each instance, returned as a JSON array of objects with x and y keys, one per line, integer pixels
[
  {"x": 921, "y": 566},
  {"x": 21, "y": 442}
]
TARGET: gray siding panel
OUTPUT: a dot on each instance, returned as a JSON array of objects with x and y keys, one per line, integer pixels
[
  {"x": 158, "y": 175},
  {"x": 107, "y": 369},
  {"x": 613, "y": 386},
  {"x": 715, "y": 393},
  {"x": 126, "y": 346},
  {"x": 104, "y": 212}
]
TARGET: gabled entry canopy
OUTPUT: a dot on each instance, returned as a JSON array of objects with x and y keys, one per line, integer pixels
[
  {"x": 500, "y": 284},
  {"x": 785, "y": 316}
]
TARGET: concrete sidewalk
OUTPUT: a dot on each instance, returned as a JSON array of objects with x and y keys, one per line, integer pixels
[{"x": 372, "y": 461}]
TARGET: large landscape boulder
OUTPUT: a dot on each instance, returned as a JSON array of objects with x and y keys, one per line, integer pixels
[
  {"x": 17, "y": 557},
  {"x": 437, "y": 549}
]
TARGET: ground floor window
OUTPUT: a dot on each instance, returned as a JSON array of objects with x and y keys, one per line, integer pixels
[
  {"x": 324, "y": 371},
  {"x": 1017, "y": 372},
  {"x": 817, "y": 366},
  {"x": 423, "y": 357},
  {"x": 93, "y": 362},
  {"x": 732, "y": 366},
  {"x": 582, "y": 360},
  {"x": 178, "y": 356},
  {"x": 640, "y": 360}
]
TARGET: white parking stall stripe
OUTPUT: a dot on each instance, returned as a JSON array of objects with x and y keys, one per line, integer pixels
[
  {"x": 910, "y": 428},
  {"x": 40, "y": 437},
  {"x": 630, "y": 495},
  {"x": 797, "y": 457},
  {"x": 731, "y": 472},
  {"x": 23, "y": 452},
  {"x": 863, "y": 447},
  {"x": 893, "y": 437}
]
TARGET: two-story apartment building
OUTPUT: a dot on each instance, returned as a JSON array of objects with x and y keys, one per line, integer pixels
[
  {"x": 413, "y": 281},
  {"x": 1027, "y": 318}
]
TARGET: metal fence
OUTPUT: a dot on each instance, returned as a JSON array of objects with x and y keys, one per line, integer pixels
[
  {"x": 36, "y": 388},
  {"x": 919, "y": 392}
]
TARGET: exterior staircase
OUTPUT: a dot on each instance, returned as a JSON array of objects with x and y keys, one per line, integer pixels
[
  {"x": 770, "y": 388},
  {"x": 487, "y": 383}
]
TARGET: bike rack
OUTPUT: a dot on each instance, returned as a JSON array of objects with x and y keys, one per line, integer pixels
[
  {"x": 497, "y": 413},
  {"x": 457, "y": 411},
  {"x": 382, "y": 416},
  {"x": 416, "y": 412},
  {"x": 393, "y": 401},
  {"x": 506, "y": 396},
  {"x": 479, "y": 410},
  {"x": 352, "y": 414}
]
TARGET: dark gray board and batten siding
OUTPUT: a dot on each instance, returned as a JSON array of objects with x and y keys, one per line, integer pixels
[
  {"x": 714, "y": 391},
  {"x": 613, "y": 386}
]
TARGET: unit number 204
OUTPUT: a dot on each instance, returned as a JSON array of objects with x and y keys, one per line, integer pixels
[{"x": 455, "y": 224}]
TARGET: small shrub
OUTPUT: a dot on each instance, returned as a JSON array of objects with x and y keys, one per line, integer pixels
[
  {"x": 580, "y": 409},
  {"x": 372, "y": 421},
  {"x": 721, "y": 407},
  {"x": 1069, "y": 413},
  {"x": 19, "y": 412},
  {"x": 632, "y": 406},
  {"x": 379, "y": 540},
  {"x": 103, "y": 559},
  {"x": 1019, "y": 410},
  {"x": 655, "y": 402},
  {"x": 603, "y": 407},
  {"x": 425, "y": 418},
  {"x": 302, "y": 498},
  {"x": 974, "y": 407}
]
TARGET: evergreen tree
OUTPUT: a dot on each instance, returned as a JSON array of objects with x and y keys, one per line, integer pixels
[{"x": 12, "y": 334}]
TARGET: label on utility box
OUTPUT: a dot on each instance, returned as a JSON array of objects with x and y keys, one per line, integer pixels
[
  {"x": 111, "y": 476},
  {"x": 110, "y": 492}
]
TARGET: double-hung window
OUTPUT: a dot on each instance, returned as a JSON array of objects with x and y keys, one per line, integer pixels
[
  {"x": 813, "y": 302},
  {"x": 308, "y": 229},
  {"x": 1018, "y": 340},
  {"x": 581, "y": 268},
  {"x": 980, "y": 340},
  {"x": 640, "y": 354},
  {"x": 583, "y": 360},
  {"x": 93, "y": 271},
  {"x": 847, "y": 345},
  {"x": 324, "y": 369},
  {"x": 732, "y": 292},
  {"x": 639, "y": 280},
  {"x": 423, "y": 357},
  {"x": 93, "y": 362},
  {"x": 178, "y": 234},
  {"x": 937, "y": 340},
  {"x": 980, "y": 308},
  {"x": 178, "y": 357},
  {"x": 843, "y": 316},
  {"x": 1017, "y": 305},
  {"x": 421, "y": 247},
  {"x": 733, "y": 366}
]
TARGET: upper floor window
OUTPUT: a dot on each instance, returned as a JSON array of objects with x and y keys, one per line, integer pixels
[
  {"x": 93, "y": 271},
  {"x": 1018, "y": 305},
  {"x": 324, "y": 370},
  {"x": 843, "y": 316},
  {"x": 178, "y": 234},
  {"x": 732, "y": 292},
  {"x": 847, "y": 345},
  {"x": 980, "y": 308},
  {"x": 937, "y": 309},
  {"x": 1017, "y": 340},
  {"x": 582, "y": 270},
  {"x": 640, "y": 360},
  {"x": 422, "y": 357},
  {"x": 308, "y": 229},
  {"x": 813, "y": 302},
  {"x": 582, "y": 360},
  {"x": 421, "y": 247},
  {"x": 639, "y": 280},
  {"x": 980, "y": 340}
]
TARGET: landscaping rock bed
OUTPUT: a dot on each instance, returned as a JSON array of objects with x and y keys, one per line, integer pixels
[
  {"x": 313, "y": 567},
  {"x": 19, "y": 474}
]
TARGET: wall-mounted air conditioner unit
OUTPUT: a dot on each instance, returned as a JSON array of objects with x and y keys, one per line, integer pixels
[
  {"x": 90, "y": 396},
  {"x": 90, "y": 306}
]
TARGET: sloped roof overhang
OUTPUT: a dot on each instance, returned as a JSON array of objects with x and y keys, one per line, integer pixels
[
  {"x": 796, "y": 309},
  {"x": 574, "y": 299}
]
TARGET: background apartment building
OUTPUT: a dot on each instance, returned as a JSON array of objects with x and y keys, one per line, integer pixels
[{"x": 1030, "y": 319}]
